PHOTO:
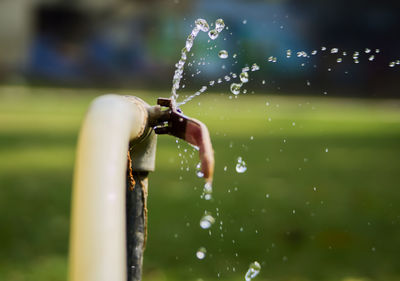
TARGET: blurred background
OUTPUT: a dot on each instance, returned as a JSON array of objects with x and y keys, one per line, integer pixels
[
  {"x": 319, "y": 133},
  {"x": 125, "y": 43}
]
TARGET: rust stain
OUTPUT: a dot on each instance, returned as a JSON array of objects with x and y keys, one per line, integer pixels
[
  {"x": 144, "y": 184},
  {"x": 130, "y": 175}
]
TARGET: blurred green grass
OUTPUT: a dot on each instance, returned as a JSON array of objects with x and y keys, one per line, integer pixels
[{"x": 346, "y": 228}]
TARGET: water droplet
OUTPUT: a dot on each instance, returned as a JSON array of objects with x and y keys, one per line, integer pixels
[
  {"x": 315, "y": 189},
  {"x": 339, "y": 60},
  {"x": 235, "y": 88},
  {"x": 377, "y": 51},
  {"x": 314, "y": 52},
  {"x": 202, "y": 25},
  {"x": 201, "y": 253},
  {"x": 263, "y": 82},
  {"x": 199, "y": 173},
  {"x": 207, "y": 221},
  {"x": 241, "y": 166},
  {"x": 308, "y": 83},
  {"x": 367, "y": 51},
  {"x": 323, "y": 48},
  {"x": 213, "y": 34},
  {"x": 254, "y": 270},
  {"x": 288, "y": 53},
  {"x": 223, "y": 54},
  {"x": 371, "y": 58},
  {"x": 326, "y": 149},
  {"x": 244, "y": 77},
  {"x": 207, "y": 190},
  {"x": 356, "y": 61},
  {"x": 219, "y": 25},
  {"x": 294, "y": 212},
  {"x": 334, "y": 50},
  {"x": 255, "y": 67},
  {"x": 212, "y": 83},
  {"x": 244, "y": 21},
  {"x": 392, "y": 64}
]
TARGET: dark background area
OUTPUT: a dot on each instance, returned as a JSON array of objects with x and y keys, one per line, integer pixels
[{"x": 136, "y": 44}]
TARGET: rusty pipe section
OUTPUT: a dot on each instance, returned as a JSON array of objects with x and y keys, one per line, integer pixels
[{"x": 98, "y": 226}]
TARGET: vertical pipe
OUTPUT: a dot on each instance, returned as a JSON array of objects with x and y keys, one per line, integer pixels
[
  {"x": 136, "y": 222},
  {"x": 141, "y": 160},
  {"x": 98, "y": 226}
]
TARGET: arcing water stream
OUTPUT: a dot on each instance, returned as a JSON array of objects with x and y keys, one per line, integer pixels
[{"x": 200, "y": 25}]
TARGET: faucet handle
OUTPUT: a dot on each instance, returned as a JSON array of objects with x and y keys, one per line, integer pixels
[{"x": 190, "y": 130}]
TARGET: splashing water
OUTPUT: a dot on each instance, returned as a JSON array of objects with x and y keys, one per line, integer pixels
[
  {"x": 255, "y": 67},
  {"x": 201, "y": 253},
  {"x": 254, "y": 270},
  {"x": 198, "y": 93},
  {"x": 235, "y": 88},
  {"x": 241, "y": 166},
  {"x": 199, "y": 173},
  {"x": 207, "y": 191},
  {"x": 213, "y": 34},
  {"x": 207, "y": 221},
  {"x": 219, "y": 26},
  {"x": 223, "y": 54},
  {"x": 334, "y": 50},
  {"x": 200, "y": 25},
  {"x": 244, "y": 77}
]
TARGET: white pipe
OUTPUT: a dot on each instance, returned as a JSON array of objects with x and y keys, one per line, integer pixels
[{"x": 98, "y": 228}]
